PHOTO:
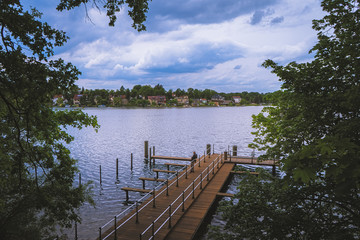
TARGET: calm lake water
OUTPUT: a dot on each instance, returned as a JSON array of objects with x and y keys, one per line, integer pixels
[{"x": 173, "y": 132}]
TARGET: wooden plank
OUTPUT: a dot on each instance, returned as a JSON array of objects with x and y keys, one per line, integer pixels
[
  {"x": 171, "y": 158},
  {"x": 243, "y": 172},
  {"x": 175, "y": 164},
  {"x": 251, "y": 161},
  {"x": 165, "y": 171},
  {"x": 221, "y": 194},
  {"x": 136, "y": 189},
  {"x": 152, "y": 179}
]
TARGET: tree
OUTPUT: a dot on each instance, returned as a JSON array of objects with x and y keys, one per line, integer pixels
[
  {"x": 313, "y": 129},
  {"x": 264, "y": 209},
  {"x": 37, "y": 191}
]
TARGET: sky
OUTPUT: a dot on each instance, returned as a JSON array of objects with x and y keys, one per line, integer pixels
[{"x": 202, "y": 44}]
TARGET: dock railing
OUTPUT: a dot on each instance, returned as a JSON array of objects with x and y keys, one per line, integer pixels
[
  {"x": 218, "y": 160},
  {"x": 179, "y": 202}
]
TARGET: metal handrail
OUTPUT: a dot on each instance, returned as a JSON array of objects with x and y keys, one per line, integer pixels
[
  {"x": 143, "y": 198},
  {"x": 169, "y": 218}
]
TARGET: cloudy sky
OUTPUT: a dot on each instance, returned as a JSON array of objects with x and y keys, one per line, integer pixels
[{"x": 215, "y": 44}]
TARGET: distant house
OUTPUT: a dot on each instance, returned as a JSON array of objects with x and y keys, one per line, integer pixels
[
  {"x": 183, "y": 100},
  {"x": 217, "y": 98},
  {"x": 225, "y": 103},
  {"x": 124, "y": 100},
  {"x": 203, "y": 100},
  {"x": 76, "y": 99},
  {"x": 236, "y": 99},
  {"x": 159, "y": 100},
  {"x": 195, "y": 102}
]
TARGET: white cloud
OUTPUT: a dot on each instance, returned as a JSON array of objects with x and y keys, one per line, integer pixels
[{"x": 114, "y": 54}]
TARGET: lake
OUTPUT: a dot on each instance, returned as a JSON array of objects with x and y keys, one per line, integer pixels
[{"x": 173, "y": 132}]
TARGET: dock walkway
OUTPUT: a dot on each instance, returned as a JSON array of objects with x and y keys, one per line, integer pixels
[{"x": 179, "y": 207}]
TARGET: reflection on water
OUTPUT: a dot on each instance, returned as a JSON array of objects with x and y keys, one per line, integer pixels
[{"x": 173, "y": 132}]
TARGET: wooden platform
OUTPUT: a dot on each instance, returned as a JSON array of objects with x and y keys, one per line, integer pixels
[
  {"x": 253, "y": 161},
  {"x": 189, "y": 208},
  {"x": 132, "y": 230},
  {"x": 243, "y": 172},
  {"x": 150, "y": 179},
  {"x": 171, "y": 158},
  {"x": 221, "y": 194},
  {"x": 191, "y": 221}
]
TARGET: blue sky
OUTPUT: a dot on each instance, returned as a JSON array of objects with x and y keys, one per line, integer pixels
[{"x": 216, "y": 44}]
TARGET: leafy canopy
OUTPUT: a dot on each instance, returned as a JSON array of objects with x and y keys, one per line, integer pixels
[
  {"x": 314, "y": 126},
  {"x": 314, "y": 129},
  {"x": 37, "y": 191}
]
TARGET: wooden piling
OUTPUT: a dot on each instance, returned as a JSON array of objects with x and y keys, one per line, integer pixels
[
  {"x": 131, "y": 161},
  {"x": 225, "y": 155},
  {"x": 208, "y": 149},
  {"x": 146, "y": 149},
  {"x": 235, "y": 150},
  {"x": 117, "y": 169},
  {"x": 100, "y": 176}
]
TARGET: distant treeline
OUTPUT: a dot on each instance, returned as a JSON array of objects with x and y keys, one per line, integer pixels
[{"x": 138, "y": 96}]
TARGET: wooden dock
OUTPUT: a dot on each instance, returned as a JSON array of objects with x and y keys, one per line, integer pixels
[
  {"x": 254, "y": 161},
  {"x": 177, "y": 209},
  {"x": 171, "y": 158}
]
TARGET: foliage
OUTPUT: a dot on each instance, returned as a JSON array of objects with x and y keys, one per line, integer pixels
[
  {"x": 97, "y": 96},
  {"x": 37, "y": 192},
  {"x": 264, "y": 209},
  {"x": 313, "y": 128},
  {"x": 137, "y": 9}
]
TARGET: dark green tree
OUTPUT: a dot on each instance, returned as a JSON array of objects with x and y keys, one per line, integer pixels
[
  {"x": 37, "y": 191},
  {"x": 313, "y": 128}
]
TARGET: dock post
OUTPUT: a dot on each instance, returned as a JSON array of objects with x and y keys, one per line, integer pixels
[
  {"x": 208, "y": 149},
  {"x": 167, "y": 187},
  {"x": 204, "y": 156},
  {"x": 143, "y": 183},
  {"x": 200, "y": 160},
  {"x": 183, "y": 201},
  {"x": 153, "y": 230},
  {"x": 146, "y": 149},
  {"x": 150, "y": 154},
  {"x": 137, "y": 212},
  {"x": 186, "y": 172},
  {"x": 207, "y": 173},
  {"x": 99, "y": 233},
  {"x": 100, "y": 176},
  {"x": 154, "y": 150},
  {"x": 235, "y": 150},
  {"x": 115, "y": 227},
  {"x": 117, "y": 169},
  {"x": 225, "y": 156},
  {"x": 170, "y": 216},
  {"x": 177, "y": 178},
  {"x": 200, "y": 180},
  {"x": 154, "y": 205},
  {"x": 193, "y": 189},
  {"x": 131, "y": 161},
  {"x": 213, "y": 168},
  {"x": 127, "y": 195}
]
